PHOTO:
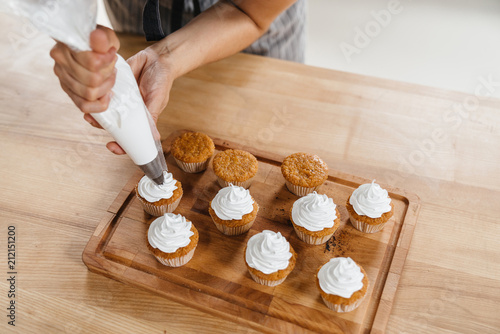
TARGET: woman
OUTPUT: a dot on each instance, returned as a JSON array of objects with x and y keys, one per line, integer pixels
[{"x": 266, "y": 27}]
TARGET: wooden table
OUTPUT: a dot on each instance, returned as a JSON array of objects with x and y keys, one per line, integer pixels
[{"x": 57, "y": 180}]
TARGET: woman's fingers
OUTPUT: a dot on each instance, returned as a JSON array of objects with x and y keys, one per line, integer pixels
[
  {"x": 85, "y": 106},
  {"x": 115, "y": 148},
  {"x": 102, "y": 39},
  {"x": 91, "y": 120},
  {"x": 88, "y": 93},
  {"x": 88, "y": 77}
]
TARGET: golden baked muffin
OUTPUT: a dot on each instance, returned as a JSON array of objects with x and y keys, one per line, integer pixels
[
  {"x": 233, "y": 210},
  {"x": 315, "y": 218},
  {"x": 304, "y": 173},
  {"x": 159, "y": 199},
  {"x": 269, "y": 258},
  {"x": 235, "y": 167},
  {"x": 342, "y": 283},
  {"x": 369, "y": 207},
  {"x": 192, "y": 151},
  {"x": 172, "y": 239}
]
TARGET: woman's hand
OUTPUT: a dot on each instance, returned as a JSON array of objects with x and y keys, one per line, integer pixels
[
  {"x": 154, "y": 77},
  {"x": 87, "y": 77}
]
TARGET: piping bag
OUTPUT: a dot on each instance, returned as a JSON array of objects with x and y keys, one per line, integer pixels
[{"x": 127, "y": 119}]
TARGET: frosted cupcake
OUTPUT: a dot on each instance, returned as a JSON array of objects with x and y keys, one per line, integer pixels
[
  {"x": 342, "y": 284},
  {"x": 369, "y": 207},
  {"x": 304, "y": 173},
  {"x": 172, "y": 239},
  {"x": 236, "y": 167},
  {"x": 269, "y": 258},
  {"x": 315, "y": 218},
  {"x": 233, "y": 210},
  {"x": 159, "y": 199},
  {"x": 192, "y": 151}
]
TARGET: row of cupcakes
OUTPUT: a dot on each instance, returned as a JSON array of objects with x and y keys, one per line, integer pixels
[
  {"x": 269, "y": 259},
  {"x": 315, "y": 217}
]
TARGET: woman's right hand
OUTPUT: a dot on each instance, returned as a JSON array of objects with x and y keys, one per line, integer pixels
[{"x": 87, "y": 77}]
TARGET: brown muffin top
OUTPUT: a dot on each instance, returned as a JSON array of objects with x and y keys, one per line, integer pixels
[
  {"x": 235, "y": 165},
  {"x": 192, "y": 147},
  {"x": 304, "y": 170}
]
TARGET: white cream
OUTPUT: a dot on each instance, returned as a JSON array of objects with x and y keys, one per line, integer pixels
[
  {"x": 340, "y": 276},
  {"x": 152, "y": 192},
  {"x": 232, "y": 202},
  {"x": 170, "y": 232},
  {"x": 314, "y": 212},
  {"x": 268, "y": 252},
  {"x": 370, "y": 200}
]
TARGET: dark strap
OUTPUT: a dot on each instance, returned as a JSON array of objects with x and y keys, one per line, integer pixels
[
  {"x": 197, "y": 9},
  {"x": 151, "y": 21},
  {"x": 176, "y": 15}
]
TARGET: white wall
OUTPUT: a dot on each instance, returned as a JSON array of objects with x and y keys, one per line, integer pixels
[{"x": 440, "y": 43}]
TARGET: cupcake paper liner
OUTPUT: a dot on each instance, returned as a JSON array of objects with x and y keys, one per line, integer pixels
[
  {"x": 237, "y": 230},
  {"x": 192, "y": 167},
  {"x": 364, "y": 227},
  {"x": 312, "y": 240},
  {"x": 158, "y": 210},
  {"x": 178, "y": 261},
  {"x": 298, "y": 190},
  {"x": 265, "y": 281},
  {"x": 245, "y": 184},
  {"x": 343, "y": 308}
]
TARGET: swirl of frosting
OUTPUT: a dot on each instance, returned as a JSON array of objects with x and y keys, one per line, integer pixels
[
  {"x": 152, "y": 192},
  {"x": 340, "y": 276},
  {"x": 169, "y": 232},
  {"x": 314, "y": 212},
  {"x": 370, "y": 200},
  {"x": 268, "y": 252},
  {"x": 232, "y": 202}
]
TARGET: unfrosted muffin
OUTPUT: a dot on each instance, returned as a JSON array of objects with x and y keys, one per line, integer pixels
[
  {"x": 233, "y": 210},
  {"x": 304, "y": 173},
  {"x": 159, "y": 199},
  {"x": 172, "y": 239},
  {"x": 269, "y": 258},
  {"x": 315, "y": 218},
  {"x": 236, "y": 167},
  {"x": 342, "y": 283},
  {"x": 192, "y": 151},
  {"x": 369, "y": 207}
]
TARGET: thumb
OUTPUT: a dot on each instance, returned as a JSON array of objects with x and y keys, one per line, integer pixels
[
  {"x": 102, "y": 39},
  {"x": 155, "y": 104},
  {"x": 137, "y": 63}
]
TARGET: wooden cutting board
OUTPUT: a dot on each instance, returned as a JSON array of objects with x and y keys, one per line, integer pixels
[{"x": 216, "y": 279}]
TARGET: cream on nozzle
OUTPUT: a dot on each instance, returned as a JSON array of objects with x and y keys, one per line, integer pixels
[{"x": 126, "y": 119}]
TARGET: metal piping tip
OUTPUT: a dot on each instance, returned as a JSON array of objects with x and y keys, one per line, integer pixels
[
  {"x": 154, "y": 170},
  {"x": 159, "y": 180}
]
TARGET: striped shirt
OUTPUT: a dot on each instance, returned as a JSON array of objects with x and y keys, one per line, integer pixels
[{"x": 285, "y": 38}]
